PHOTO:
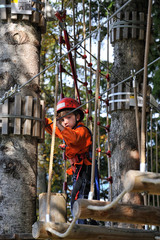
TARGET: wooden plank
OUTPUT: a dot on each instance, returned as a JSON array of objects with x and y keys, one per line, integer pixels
[
  {"x": 141, "y": 30},
  {"x": 124, "y": 213},
  {"x": 137, "y": 181},
  {"x": 36, "y": 113},
  {"x": 5, "y": 121},
  {"x": 3, "y": 13},
  {"x": 42, "y": 20},
  {"x": 119, "y": 104},
  {"x": 25, "y": 17},
  {"x": 134, "y": 30},
  {"x": 58, "y": 203},
  {"x": 42, "y": 126},
  {"x": 125, "y": 29},
  {"x": 112, "y": 32},
  {"x": 14, "y": 16},
  {"x": 118, "y": 29},
  {"x": 28, "y": 112},
  {"x": 35, "y": 14},
  {"x": 90, "y": 232},
  {"x": 127, "y": 89},
  {"x": 17, "y": 111},
  {"x": 112, "y": 105}
]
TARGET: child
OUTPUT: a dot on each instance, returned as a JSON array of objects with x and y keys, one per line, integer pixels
[{"x": 78, "y": 142}]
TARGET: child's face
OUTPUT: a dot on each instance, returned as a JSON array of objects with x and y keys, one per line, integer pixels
[{"x": 70, "y": 120}]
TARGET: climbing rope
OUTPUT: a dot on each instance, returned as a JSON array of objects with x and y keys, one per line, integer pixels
[
  {"x": 143, "y": 125},
  {"x": 90, "y": 69},
  {"x": 136, "y": 112},
  {"x": 74, "y": 37},
  {"x": 91, "y": 193},
  {"x": 52, "y": 151},
  {"x": 65, "y": 234}
]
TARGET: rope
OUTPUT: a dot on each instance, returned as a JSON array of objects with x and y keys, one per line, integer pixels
[
  {"x": 52, "y": 152},
  {"x": 115, "y": 202},
  {"x": 107, "y": 107},
  {"x": 74, "y": 38},
  {"x": 72, "y": 64},
  {"x": 61, "y": 85},
  {"x": 62, "y": 95},
  {"x": 98, "y": 130},
  {"x": 98, "y": 101},
  {"x": 85, "y": 67},
  {"x": 65, "y": 234},
  {"x": 157, "y": 156},
  {"x": 136, "y": 113},
  {"x": 91, "y": 193},
  {"x": 111, "y": 205},
  {"x": 143, "y": 124},
  {"x": 90, "y": 70}
]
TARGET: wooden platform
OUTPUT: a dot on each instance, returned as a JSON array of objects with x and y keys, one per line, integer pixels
[
  {"x": 23, "y": 116},
  {"x": 37, "y": 17},
  {"x": 88, "y": 232},
  {"x": 123, "y": 213}
]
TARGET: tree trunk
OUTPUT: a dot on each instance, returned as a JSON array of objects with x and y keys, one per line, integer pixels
[
  {"x": 128, "y": 55},
  {"x": 19, "y": 62}
]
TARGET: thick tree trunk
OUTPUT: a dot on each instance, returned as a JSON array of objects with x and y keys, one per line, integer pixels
[
  {"x": 19, "y": 61},
  {"x": 128, "y": 55}
]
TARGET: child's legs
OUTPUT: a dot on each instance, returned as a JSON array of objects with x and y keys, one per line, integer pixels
[{"x": 81, "y": 187}]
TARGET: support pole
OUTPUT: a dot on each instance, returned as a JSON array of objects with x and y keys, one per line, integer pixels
[
  {"x": 52, "y": 151},
  {"x": 143, "y": 122}
]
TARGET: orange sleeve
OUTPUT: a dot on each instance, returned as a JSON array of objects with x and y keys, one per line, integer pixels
[
  {"x": 49, "y": 128},
  {"x": 77, "y": 140}
]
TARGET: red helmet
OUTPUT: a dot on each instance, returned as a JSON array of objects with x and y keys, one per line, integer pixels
[{"x": 69, "y": 103}]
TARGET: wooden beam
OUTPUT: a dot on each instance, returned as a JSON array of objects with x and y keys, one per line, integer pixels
[
  {"x": 17, "y": 111},
  {"x": 137, "y": 181},
  {"x": 5, "y": 121},
  {"x": 28, "y": 112},
  {"x": 135, "y": 214},
  {"x": 3, "y": 13},
  {"x": 36, "y": 113},
  {"x": 89, "y": 232}
]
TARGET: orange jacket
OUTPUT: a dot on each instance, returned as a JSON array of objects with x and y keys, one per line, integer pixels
[{"x": 77, "y": 141}]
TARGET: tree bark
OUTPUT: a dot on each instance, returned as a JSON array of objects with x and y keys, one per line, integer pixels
[
  {"x": 128, "y": 55},
  {"x": 19, "y": 62}
]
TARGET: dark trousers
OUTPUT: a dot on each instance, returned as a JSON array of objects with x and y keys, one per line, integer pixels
[{"x": 81, "y": 186}]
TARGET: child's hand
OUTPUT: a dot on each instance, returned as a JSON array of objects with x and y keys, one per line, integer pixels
[{"x": 59, "y": 125}]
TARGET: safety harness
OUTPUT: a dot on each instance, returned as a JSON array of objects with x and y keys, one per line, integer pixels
[{"x": 81, "y": 171}]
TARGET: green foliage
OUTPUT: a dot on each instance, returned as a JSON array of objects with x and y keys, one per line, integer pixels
[{"x": 155, "y": 50}]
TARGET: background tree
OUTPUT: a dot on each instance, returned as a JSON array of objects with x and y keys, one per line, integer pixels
[{"x": 128, "y": 55}]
